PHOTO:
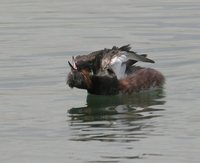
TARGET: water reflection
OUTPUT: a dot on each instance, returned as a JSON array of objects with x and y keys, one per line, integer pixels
[{"x": 116, "y": 118}]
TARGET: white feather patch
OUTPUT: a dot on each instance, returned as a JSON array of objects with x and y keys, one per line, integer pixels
[{"x": 118, "y": 65}]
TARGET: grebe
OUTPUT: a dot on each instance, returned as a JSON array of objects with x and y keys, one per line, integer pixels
[{"x": 112, "y": 71}]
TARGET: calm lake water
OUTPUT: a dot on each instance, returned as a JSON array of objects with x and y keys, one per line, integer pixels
[{"x": 43, "y": 120}]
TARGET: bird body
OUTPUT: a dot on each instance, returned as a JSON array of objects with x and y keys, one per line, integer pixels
[{"x": 112, "y": 71}]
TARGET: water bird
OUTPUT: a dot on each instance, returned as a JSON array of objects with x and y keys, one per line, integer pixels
[{"x": 112, "y": 71}]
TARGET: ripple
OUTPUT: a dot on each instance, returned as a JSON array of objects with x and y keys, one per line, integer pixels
[{"x": 115, "y": 118}]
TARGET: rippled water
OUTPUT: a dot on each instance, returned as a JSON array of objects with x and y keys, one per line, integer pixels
[{"x": 42, "y": 120}]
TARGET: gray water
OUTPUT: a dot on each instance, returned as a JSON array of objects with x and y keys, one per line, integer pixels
[{"x": 43, "y": 120}]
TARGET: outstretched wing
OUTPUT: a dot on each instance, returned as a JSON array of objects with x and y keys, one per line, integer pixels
[
  {"x": 136, "y": 57},
  {"x": 100, "y": 61},
  {"x": 124, "y": 59}
]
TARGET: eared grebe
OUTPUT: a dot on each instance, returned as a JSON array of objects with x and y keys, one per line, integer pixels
[{"x": 112, "y": 71}]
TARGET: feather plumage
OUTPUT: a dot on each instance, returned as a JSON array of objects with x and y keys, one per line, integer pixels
[{"x": 112, "y": 71}]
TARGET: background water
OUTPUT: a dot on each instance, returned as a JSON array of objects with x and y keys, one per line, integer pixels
[{"x": 42, "y": 120}]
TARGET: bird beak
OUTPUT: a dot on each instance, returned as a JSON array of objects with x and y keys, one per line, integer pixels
[
  {"x": 72, "y": 67},
  {"x": 73, "y": 64}
]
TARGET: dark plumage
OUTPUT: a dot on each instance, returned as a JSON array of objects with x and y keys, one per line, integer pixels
[
  {"x": 111, "y": 71},
  {"x": 99, "y": 61}
]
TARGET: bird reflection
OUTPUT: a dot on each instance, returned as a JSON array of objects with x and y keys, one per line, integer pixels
[{"x": 116, "y": 118}]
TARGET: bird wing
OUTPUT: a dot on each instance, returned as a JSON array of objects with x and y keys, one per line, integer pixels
[
  {"x": 122, "y": 61},
  {"x": 134, "y": 56},
  {"x": 102, "y": 60}
]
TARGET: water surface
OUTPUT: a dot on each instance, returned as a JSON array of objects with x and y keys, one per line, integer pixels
[{"x": 43, "y": 120}]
